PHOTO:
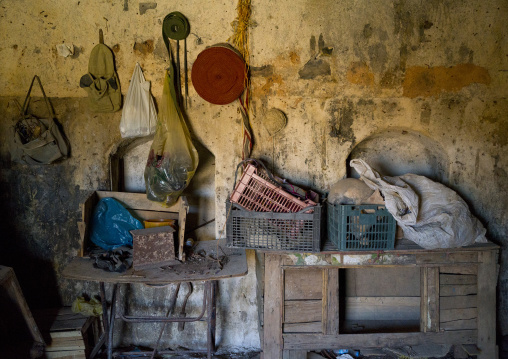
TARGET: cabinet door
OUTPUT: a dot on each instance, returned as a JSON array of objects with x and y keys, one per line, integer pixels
[{"x": 303, "y": 300}]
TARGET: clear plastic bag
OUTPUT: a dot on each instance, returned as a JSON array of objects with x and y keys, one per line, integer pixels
[
  {"x": 173, "y": 159},
  {"x": 139, "y": 117}
]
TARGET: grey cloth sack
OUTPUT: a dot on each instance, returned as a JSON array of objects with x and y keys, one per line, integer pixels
[{"x": 37, "y": 141}]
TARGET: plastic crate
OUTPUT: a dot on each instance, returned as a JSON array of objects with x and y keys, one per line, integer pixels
[
  {"x": 296, "y": 232},
  {"x": 255, "y": 193},
  {"x": 361, "y": 227}
]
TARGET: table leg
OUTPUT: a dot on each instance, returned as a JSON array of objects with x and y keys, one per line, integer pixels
[
  {"x": 105, "y": 322},
  {"x": 104, "y": 303},
  {"x": 211, "y": 317},
  {"x": 112, "y": 322}
]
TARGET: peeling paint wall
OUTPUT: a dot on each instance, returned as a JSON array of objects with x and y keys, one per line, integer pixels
[{"x": 345, "y": 72}]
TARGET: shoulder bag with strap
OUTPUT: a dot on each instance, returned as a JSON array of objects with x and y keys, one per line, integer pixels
[{"x": 38, "y": 141}]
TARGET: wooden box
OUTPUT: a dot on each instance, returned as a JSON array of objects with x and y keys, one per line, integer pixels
[
  {"x": 153, "y": 247},
  {"x": 72, "y": 335},
  {"x": 141, "y": 208}
]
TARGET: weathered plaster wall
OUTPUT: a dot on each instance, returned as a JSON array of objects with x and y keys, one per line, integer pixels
[{"x": 343, "y": 71}]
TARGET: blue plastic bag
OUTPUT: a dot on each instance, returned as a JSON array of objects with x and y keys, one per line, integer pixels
[{"x": 111, "y": 224}]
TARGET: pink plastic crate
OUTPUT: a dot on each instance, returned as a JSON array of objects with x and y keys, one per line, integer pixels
[{"x": 255, "y": 193}]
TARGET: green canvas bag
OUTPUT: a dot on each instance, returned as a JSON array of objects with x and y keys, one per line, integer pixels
[
  {"x": 38, "y": 140},
  {"x": 101, "y": 82}
]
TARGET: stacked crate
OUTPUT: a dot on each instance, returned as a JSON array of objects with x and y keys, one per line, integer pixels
[{"x": 72, "y": 336}]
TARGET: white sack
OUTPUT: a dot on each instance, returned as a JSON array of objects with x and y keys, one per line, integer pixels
[
  {"x": 430, "y": 214},
  {"x": 349, "y": 191},
  {"x": 139, "y": 117}
]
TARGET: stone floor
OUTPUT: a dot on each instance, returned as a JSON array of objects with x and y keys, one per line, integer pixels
[{"x": 396, "y": 353}]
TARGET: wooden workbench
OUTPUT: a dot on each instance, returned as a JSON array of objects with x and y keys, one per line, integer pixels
[
  {"x": 452, "y": 293},
  {"x": 208, "y": 270}
]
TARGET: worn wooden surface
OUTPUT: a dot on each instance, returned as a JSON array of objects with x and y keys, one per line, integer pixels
[
  {"x": 273, "y": 307},
  {"x": 302, "y": 311},
  {"x": 300, "y": 285},
  {"x": 445, "y": 299},
  {"x": 430, "y": 299},
  {"x": 487, "y": 276},
  {"x": 309, "y": 327},
  {"x": 382, "y": 308},
  {"x": 10, "y": 284},
  {"x": 318, "y": 341},
  {"x": 234, "y": 266},
  {"x": 331, "y": 307},
  {"x": 458, "y": 302},
  {"x": 404, "y": 246},
  {"x": 390, "y": 282}
]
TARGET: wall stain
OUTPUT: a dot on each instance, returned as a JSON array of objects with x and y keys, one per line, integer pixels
[
  {"x": 312, "y": 44},
  {"x": 144, "y": 48},
  {"x": 359, "y": 73},
  {"x": 160, "y": 50},
  {"x": 341, "y": 122},
  {"x": 263, "y": 71},
  {"x": 425, "y": 114},
  {"x": 404, "y": 24},
  {"x": 145, "y": 6},
  {"x": 466, "y": 54},
  {"x": 270, "y": 81},
  {"x": 499, "y": 133},
  {"x": 315, "y": 68},
  {"x": 367, "y": 31},
  {"x": 293, "y": 56},
  {"x": 426, "y": 82},
  {"x": 390, "y": 79},
  {"x": 378, "y": 57}
]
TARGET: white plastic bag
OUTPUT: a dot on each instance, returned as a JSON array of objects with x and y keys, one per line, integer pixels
[
  {"x": 430, "y": 214},
  {"x": 139, "y": 117}
]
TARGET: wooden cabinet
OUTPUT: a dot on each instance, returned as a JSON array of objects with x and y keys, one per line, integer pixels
[{"x": 408, "y": 296}]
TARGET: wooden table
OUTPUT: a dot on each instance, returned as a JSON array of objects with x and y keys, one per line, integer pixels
[
  {"x": 454, "y": 300},
  {"x": 209, "y": 271},
  {"x": 10, "y": 284}
]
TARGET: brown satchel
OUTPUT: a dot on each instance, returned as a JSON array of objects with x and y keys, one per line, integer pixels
[{"x": 38, "y": 141}]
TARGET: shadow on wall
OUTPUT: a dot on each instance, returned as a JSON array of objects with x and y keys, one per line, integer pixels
[{"x": 397, "y": 152}]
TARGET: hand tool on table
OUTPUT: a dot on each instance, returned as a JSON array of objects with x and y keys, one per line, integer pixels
[{"x": 182, "y": 311}]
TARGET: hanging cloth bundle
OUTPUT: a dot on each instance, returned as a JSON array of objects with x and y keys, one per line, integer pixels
[
  {"x": 176, "y": 27},
  {"x": 38, "y": 140}
]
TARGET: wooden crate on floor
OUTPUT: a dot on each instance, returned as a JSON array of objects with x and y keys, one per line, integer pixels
[{"x": 72, "y": 336}]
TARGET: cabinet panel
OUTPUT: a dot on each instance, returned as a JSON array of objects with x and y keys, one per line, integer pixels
[{"x": 301, "y": 284}]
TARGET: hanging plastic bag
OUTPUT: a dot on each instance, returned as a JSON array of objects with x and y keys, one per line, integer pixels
[
  {"x": 139, "y": 117},
  {"x": 111, "y": 224},
  {"x": 429, "y": 213},
  {"x": 173, "y": 159}
]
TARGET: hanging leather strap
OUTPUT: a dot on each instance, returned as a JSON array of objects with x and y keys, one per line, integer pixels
[
  {"x": 175, "y": 27},
  {"x": 28, "y": 97}
]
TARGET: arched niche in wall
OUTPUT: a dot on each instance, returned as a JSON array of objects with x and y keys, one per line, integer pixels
[
  {"x": 127, "y": 168},
  {"x": 397, "y": 152}
]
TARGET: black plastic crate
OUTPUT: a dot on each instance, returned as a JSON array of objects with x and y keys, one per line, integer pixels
[
  {"x": 361, "y": 227},
  {"x": 295, "y": 232}
]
